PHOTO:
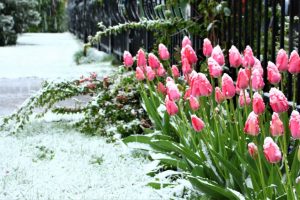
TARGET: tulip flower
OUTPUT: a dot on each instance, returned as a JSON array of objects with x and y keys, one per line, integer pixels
[
  {"x": 139, "y": 74},
  {"x": 257, "y": 80},
  {"x": 278, "y": 101},
  {"x": 282, "y": 60},
  {"x": 276, "y": 125},
  {"x": 217, "y": 55},
  {"x": 141, "y": 59},
  {"x": 175, "y": 71},
  {"x": 161, "y": 88},
  {"x": 200, "y": 86},
  {"x": 242, "y": 79},
  {"x": 215, "y": 70},
  {"x": 295, "y": 124},
  {"x": 128, "y": 60},
  {"x": 228, "y": 88},
  {"x": 186, "y": 67},
  {"x": 163, "y": 52},
  {"x": 274, "y": 75},
  {"x": 186, "y": 41},
  {"x": 187, "y": 94},
  {"x": 235, "y": 58},
  {"x": 153, "y": 61},
  {"x": 189, "y": 53},
  {"x": 271, "y": 151},
  {"x": 258, "y": 104},
  {"x": 197, "y": 123},
  {"x": 218, "y": 95},
  {"x": 161, "y": 71},
  {"x": 242, "y": 98},
  {"x": 252, "y": 149},
  {"x": 171, "y": 106},
  {"x": 248, "y": 60},
  {"x": 294, "y": 63},
  {"x": 150, "y": 73},
  {"x": 194, "y": 104},
  {"x": 173, "y": 92},
  {"x": 207, "y": 47},
  {"x": 257, "y": 66},
  {"x": 252, "y": 126}
]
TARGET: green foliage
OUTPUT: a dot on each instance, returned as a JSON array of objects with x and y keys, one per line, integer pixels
[
  {"x": 16, "y": 16},
  {"x": 53, "y": 16}
]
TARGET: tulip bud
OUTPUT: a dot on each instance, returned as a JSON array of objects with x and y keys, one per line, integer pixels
[
  {"x": 207, "y": 47},
  {"x": 197, "y": 123},
  {"x": 252, "y": 149}
]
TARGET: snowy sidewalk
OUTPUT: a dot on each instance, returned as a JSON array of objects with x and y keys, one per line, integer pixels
[{"x": 52, "y": 160}]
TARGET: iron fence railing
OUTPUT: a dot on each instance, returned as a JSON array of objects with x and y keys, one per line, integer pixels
[{"x": 265, "y": 25}]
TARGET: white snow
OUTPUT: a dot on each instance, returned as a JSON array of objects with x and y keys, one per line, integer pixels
[
  {"x": 51, "y": 160},
  {"x": 70, "y": 174}
]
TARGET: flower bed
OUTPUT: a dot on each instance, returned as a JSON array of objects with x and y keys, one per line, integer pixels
[{"x": 222, "y": 135}]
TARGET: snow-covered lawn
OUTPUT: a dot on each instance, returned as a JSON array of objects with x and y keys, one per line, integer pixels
[{"x": 51, "y": 160}]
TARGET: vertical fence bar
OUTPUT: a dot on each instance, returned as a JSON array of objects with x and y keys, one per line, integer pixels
[
  {"x": 234, "y": 6},
  {"x": 298, "y": 81},
  {"x": 266, "y": 25},
  {"x": 282, "y": 24},
  {"x": 290, "y": 85},
  {"x": 252, "y": 19},
  {"x": 258, "y": 30},
  {"x": 240, "y": 25},
  {"x": 274, "y": 29},
  {"x": 246, "y": 31}
]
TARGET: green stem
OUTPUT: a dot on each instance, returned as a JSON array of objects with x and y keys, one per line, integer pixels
[
  {"x": 261, "y": 175},
  {"x": 294, "y": 91}
]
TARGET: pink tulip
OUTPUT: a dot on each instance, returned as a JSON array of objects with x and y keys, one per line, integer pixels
[
  {"x": 282, "y": 60},
  {"x": 258, "y": 104},
  {"x": 207, "y": 47},
  {"x": 190, "y": 76},
  {"x": 276, "y": 125},
  {"x": 228, "y": 88},
  {"x": 295, "y": 124},
  {"x": 169, "y": 80},
  {"x": 251, "y": 126},
  {"x": 186, "y": 41},
  {"x": 194, "y": 104},
  {"x": 200, "y": 86},
  {"x": 274, "y": 75},
  {"x": 187, "y": 94},
  {"x": 252, "y": 149},
  {"x": 218, "y": 95},
  {"x": 163, "y": 52},
  {"x": 235, "y": 58},
  {"x": 175, "y": 71},
  {"x": 294, "y": 63},
  {"x": 271, "y": 151},
  {"x": 171, "y": 106},
  {"x": 161, "y": 88},
  {"x": 197, "y": 123},
  {"x": 248, "y": 60},
  {"x": 215, "y": 70},
  {"x": 161, "y": 71},
  {"x": 242, "y": 79},
  {"x": 128, "y": 60},
  {"x": 217, "y": 55},
  {"x": 139, "y": 74},
  {"x": 173, "y": 91},
  {"x": 189, "y": 53},
  {"x": 242, "y": 98},
  {"x": 141, "y": 59},
  {"x": 257, "y": 80},
  {"x": 153, "y": 61},
  {"x": 278, "y": 101},
  {"x": 186, "y": 67},
  {"x": 150, "y": 73},
  {"x": 257, "y": 66}
]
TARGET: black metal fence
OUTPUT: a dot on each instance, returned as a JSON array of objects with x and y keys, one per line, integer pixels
[{"x": 265, "y": 25}]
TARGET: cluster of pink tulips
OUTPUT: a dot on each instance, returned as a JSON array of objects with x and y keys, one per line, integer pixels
[{"x": 192, "y": 100}]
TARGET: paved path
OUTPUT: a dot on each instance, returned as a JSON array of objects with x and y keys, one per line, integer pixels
[
  {"x": 37, "y": 57},
  {"x": 52, "y": 160}
]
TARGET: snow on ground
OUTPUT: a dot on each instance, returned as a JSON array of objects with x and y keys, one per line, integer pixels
[{"x": 51, "y": 160}]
